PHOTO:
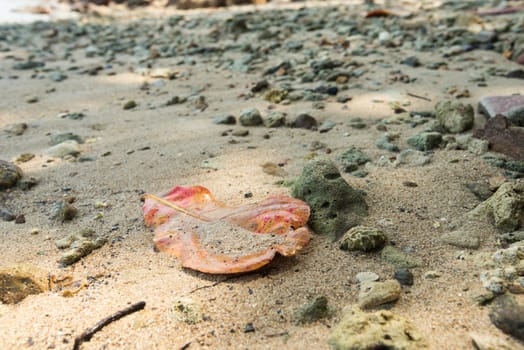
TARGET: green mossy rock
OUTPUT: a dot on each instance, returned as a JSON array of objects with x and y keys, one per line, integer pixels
[
  {"x": 335, "y": 205},
  {"x": 454, "y": 116}
]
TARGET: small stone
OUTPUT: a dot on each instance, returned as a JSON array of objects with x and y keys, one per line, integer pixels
[
  {"x": 274, "y": 119},
  {"x": 28, "y": 65},
  {"x": 20, "y": 219},
  {"x": 304, "y": 121},
  {"x": 226, "y": 119},
  {"x": 404, "y": 276},
  {"x": 462, "y": 239},
  {"x": 313, "y": 311},
  {"x": 64, "y": 149},
  {"x": 6, "y": 214},
  {"x": 373, "y": 294},
  {"x": 425, "y": 141},
  {"x": 358, "y": 330},
  {"x": 9, "y": 174},
  {"x": 16, "y": 129},
  {"x": 249, "y": 328},
  {"x": 188, "y": 311},
  {"x": 57, "y": 76},
  {"x": 250, "y": 117},
  {"x": 397, "y": 258},
  {"x": 259, "y": 86},
  {"x": 502, "y": 137},
  {"x": 326, "y": 126},
  {"x": 63, "y": 211},
  {"x": 351, "y": 158},
  {"x": 25, "y": 157},
  {"x": 129, "y": 105},
  {"x": 384, "y": 142},
  {"x": 363, "y": 238},
  {"x": 240, "y": 132},
  {"x": 411, "y": 61},
  {"x": 275, "y": 95},
  {"x": 79, "y": 245},
  {"x": 431, "y": 275},
  {"x": 508, "y": 316},
  {"x": 19, "y": 281},
  {"x": 454, "y": 116},
  {"x": 66, "y": 136},
  {"x": 72, "y": 115},
  {"x": 511, "y": 107},
  {"x": 32, "y": 99},
  {"x": 273, "y": 169},
  {"x": 366, "y": 276},
  {"x": 481, "y": 190},
  {"x": 412, "y": 158}
]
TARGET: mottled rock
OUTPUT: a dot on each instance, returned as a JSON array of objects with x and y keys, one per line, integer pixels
[
  {"x": 373, "y": 294},
  {"x": 425, "y": 141},
  {"x": 9, "y": 174},
  {"x": 462, "y": 239},
  {"x": 502, "y": 137},
  {"x": 411, "y": 61},
  {"x": 250, "y": 117},
  {"x": 19, "y": 281},
  {"x": 335, "y": 205},
  {"x": 384, "y": 142},
  {"x": 505, "y": 207},
  {"x": 63, "y": 211},
  {"x": 275, "y": 95},
  {"x": 313, "y": 311},
  {"x": 79, "y": 245},
  {"x": 511, "y": 107},
  {"x": 226, "y": 119},
  {"x": 28, "y": 65},
  {"x": 454, "y": 116},
  {"x": 351, "y": 158},
  {"x": 508, "y": 315},
  {"x": 304, "y": 121},
  {"x": 363, "y": 238},
  {"x": 397, "y": 258},
  {"x": 382, "y": 329},
  {"x": 274, "y": 119},
  {"x": 326, "y": 126},
  {"x": 188, "y": 310},
  {"x": 410, "y": 157},
  {"x": 404, "y": 276}
]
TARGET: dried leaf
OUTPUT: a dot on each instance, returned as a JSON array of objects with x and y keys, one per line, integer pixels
[{"x": 206, "y": 235}]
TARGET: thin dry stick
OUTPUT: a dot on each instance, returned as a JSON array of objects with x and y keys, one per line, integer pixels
[
  {"x": 88, "y": 333},
  {"x": 418, "y": 96},
  {"x": 211, "y": 285},
  {"x": 174, "y": 206}
]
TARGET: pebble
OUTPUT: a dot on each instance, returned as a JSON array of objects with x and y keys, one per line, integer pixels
[
  {"x": 63, "y": 149},
  {"x": 10, "y": 174},
  {"x": 326, "y": 126},
  {"x": 16, "y": 129},
  {"x": 250, "y": 117},
  {"x": 129, "y": 105},
  {"x": 304, "y": 121},
  {"x": 425, "y": 141},
  {"x": 404, "y": 276},
  {"x": 240, "y": 132},
  {"x": 412, "y": 158},
  {"x": 431, "y": 275},
  {"x": 363, "y": 238},
  {"x": 384, "y": 142},
  {"x": 411, "y": 61},
  {"x": 66, "y": 136},
  {"x": 508, "y": 315},
  {"x": 6, "y": 214},
  {"x": 57, "y": 76},
  {"x": 63, "y": 211},
  {"x": 226, "y": 119},
  {"x": 398, "y": 258},
  {"x": 313, "y": 311},
  {"x": 72, "y": 115},
  {"x": 468, "y": 239},
  {"x": 481, "y": 190},
  {"x": 373, "y": 294},
  {"x": 366, "y": 276},
  {"x": 274, "y": 119},
  {"x": 352, "y": 158},
  {"x": 79, "y": 245}
]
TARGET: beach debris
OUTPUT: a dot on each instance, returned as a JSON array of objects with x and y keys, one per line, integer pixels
[{"x": 207, "y": 236}]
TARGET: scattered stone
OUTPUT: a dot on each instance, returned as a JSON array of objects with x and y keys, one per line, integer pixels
[
  {"x": 16, "y": 129},
  {"x": 6, "y": 214},
  {"x": 249, "y": 328},
  {"x": 335, "y": 205},
  {"x": 384, "y": 142},
  {"x": 454, "y": 116},
  {"x": 129, "y": 105},
  {"x": 404, "y": 276},
  {"x": 66, "y": 136},
  {"x": 412, "y": 158},
  {"x": 259, "y": 86},
  {"x": 273, "y": 169},
  {"x": 502, "y": 137},
  {"x": 188, "y": 311},
  {"x": 411, "y": 61},
  {"x": 250, "y": 117},
  {"x": 175, "y": 100},
  {"x": 351, "y": 158},
  {"x": 505, "y": 207},
  {"x": 24, "y": 157},
  {"x": 64, "y": 149},
  {"x": 326, "y": 126},
  {"x": 9, "y": 174},
  {"x": 28, "y": 65},
  {"x": 481, "y": 190},
  {"x": 79, "y": 245},
  {"x": 32, "y": 99},
  {"x": 431, "y": 275},
  {"x": 304, "y": 121},
  {"x": 63, "y": 211},
  {"x": 382, "y": 329},
  {"x": 398, "y": 259},
  {"x": 363, "y": 238},
  {"x": 240, "y": 132},
  {"x": 313, "y": 311},
  {"x": 19, "y": 281},
  {"x": 274, "y": 119},
  {"x": 409, "y": 184},
  {"x": 20, "y": 219},
  {"x": 511, "y": 107},
  {"x": 226, "y": 119},
  {"x": 72, "y": 115},
  {"x": 366, "y": 276},
  {"x": 425, "y": 141},
  {"x": 373, "y": 294},
  {"x": 462, "y": 239},
  {"x": 275, "y": 95},
  {"x": 508, "y": 315},
  {"x": 57, "y": 76}
]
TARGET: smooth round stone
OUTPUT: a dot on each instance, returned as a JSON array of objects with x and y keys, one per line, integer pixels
[
  {"x": 404, "y": 277},
  {"x": 366, "y": 276}
]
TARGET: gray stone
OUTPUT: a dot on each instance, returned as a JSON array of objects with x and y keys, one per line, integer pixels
[
  {"x": 511, "y": 107},
  {"x": 454, "y": 116},
  {"x": 425, "y": 141},
  {"x": 462, "y": 239},
  {"x": 63, "y": 211},
  {"x": 226, "y": 119},
  {"x": 382, "y": 329},
  {"x": 63, "y": 149},
  {"x": 506, "y": 207},
  {"x": 275, "y": 119},
  {"x": 481, "y": 190},
  {"x": 326, "y": 126},
  {"x": 351, "y": 158},
  {"x": 373, "y": 294},
  {"x": 363, "y": 238},
  {"x": 250, "y": 117},
  {"x": 404, "y": 276},
  {"x": 16, "y": 129},
  {"x": 398, "y": 259},
  {"x": 511, "y": 237},
  {"x": 508, "y": 315},
  {"x": 79, "y": 245},
  {"x": 57, "y": 76},
  {"x": 66, "y": 136},
  {"x": 313, "y": 311},
  {"x": 384, "y": 142},
  {"x": 335, "y": 205},
  {"x": 9, "y": 174},
  {"x": 366, "y": 276},
  {"x": 304, "y": 121},
  {"x": 410, "y": 157}
]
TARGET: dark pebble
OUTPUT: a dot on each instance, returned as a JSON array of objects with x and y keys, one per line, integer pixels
[
  {"x": 508, "y": 316},
  {"x": 411, "y": 61},
  {"x": 20, "y": 219},
  {"x": 404, "y": 277},
  {"x": 249, "y": 328},
  {"x": 5, "y": 214},
  {"x": 409, "y": 184},
  {"x": 304, "y": 121}
]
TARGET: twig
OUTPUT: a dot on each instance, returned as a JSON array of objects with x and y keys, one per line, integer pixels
[
  {"x": 88, "y": 333},
  {"x": 418, "y": 96},
  {"x": 211, "y": 285}
]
